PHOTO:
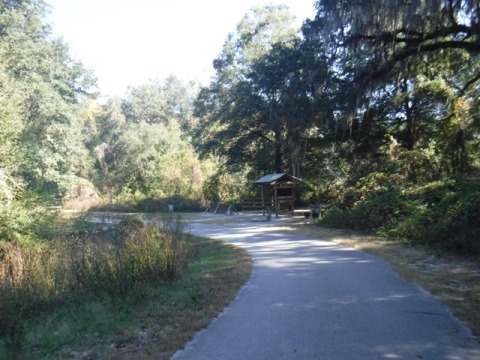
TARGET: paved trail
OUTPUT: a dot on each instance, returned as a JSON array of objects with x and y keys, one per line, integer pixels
[{"x": 313, "y": 299}]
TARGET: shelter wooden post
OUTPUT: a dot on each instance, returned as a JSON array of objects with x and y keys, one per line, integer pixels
[
  {"x": 275, "y": 199},
  {"x": 263, "y": 202}
]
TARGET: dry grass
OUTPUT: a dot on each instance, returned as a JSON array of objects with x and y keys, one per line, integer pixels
[
  {"x": 154, "y": 321},
  {"x": 198, "y": 297}
]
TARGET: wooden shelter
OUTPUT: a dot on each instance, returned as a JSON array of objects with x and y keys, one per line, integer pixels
[{"x": 283, "y": 189}]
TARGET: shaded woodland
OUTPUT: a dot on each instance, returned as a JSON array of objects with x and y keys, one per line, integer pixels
[{"x": 374, "y": 104}]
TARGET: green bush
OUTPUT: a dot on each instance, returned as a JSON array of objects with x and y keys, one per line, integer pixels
[
  {"x": 35, "y": 278},
  {"x": 137, "y": 256},
  {"x": 130, "y": 224},
  {"x": 32, "y": 279},
  {"x": 14, "y": 223},
  {"x": 376, "y": 211},
  {"x": 443, "y": 214},
  {"x": 454, "y": 221}
]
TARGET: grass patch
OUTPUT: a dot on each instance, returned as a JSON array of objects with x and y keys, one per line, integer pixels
[{"x": 152, "y": 310}]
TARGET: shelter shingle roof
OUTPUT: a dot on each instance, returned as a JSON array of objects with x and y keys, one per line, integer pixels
[{"x": 271, "y": 178}]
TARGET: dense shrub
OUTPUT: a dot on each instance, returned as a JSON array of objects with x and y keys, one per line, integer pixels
[
  {"x": 444, "y": 214},
  {"x": 453, "y": 221},
  {"x": 117, "y": 265},
  {"x": 32, "y": 278},
  {"x": 375, "y": 212},
  {"x": 157, "y": 205},
  {"x": 143, "y": 255},
  {"x": 13, "y": 223}
]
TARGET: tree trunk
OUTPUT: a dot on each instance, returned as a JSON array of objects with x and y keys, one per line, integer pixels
[
  {"x": 410, "y": 131},
  {"x": 278, "y": 151}
]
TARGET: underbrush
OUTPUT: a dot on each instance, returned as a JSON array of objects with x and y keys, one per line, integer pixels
[
  {"x": 442, "y": 214},
  {"x": 37, "y": 278},
  {"x": 143, "y": 204}
]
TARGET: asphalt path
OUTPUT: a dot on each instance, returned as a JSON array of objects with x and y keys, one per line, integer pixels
[{"x": 314, "y": 299}]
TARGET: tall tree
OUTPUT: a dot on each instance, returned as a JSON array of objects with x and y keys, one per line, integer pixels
[
  {"x": 396, "y": 30},
  {"x": 409, "y": 61},
  {"x": 11, "y": 152},
  {"x": 255, "y": 106},
  {"x": 42, "y": 92},
  {"x": 140, "y": 147},
  {"x": 49, "y": 86},
  {"x": 161, "y": 101}
]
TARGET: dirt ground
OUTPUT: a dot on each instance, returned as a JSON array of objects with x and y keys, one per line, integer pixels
[{"x": 453, "y": 279}]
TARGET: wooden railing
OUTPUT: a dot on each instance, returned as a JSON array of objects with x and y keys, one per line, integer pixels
[
  {"x": 250, "y": 204},
  {"x": 220, "y": 208}
]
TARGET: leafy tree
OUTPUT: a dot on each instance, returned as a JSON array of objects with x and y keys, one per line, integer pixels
[
  {"x": 395, "y": 31},
  {"x": 10, "y": 150},
  {"x": 161, "y": 102},
  {"x": 136, "y": 156},
  {"x": 257, "y": 107},
  {"x": 180, "y": 98},
  {"x": 153, "y": 161},
  {"x": 403, "y": 77},
  {"x": 47, "y": 85},
  {"x": 106, "y": 124},
  {"x": 137, "y": 153},
  {"x": 407, "y": 63},
  {"x": 146, "y": 103},
  {"x": 42, "y": 93}
]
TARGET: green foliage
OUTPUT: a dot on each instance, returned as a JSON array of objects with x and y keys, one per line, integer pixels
[
  {"x": 226, "y": 186},
  {"x": 452, "y": 220},
  {"x": 138, "y": 160},
  {"x": 257, "y": 107},
  {"x": 443, "y": 214},
  {"x": 13, "y": 223},
  {"x": 161, "y": 102},
  {"x": 27, "y": 220},
  {"x": 37, "y": 278},
  {"x": 367, "y": 207},
  {"x": 40, "y": 100},
  {"x": 138, "y": 256}
]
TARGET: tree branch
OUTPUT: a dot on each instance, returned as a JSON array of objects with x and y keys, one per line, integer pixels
[
  {"x": 413, "y": 38},
  {"x": 411, "y": 51},
  {"x": 469, "y": 83}
]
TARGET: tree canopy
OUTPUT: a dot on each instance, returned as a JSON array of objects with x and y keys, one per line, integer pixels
[
  {"x": 251, "y": 105},
  {"x": 370, "y": 96},
  {"x": 368, "y": 101}
]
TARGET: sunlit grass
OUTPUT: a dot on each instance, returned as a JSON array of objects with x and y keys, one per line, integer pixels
[{"x": 157, "y": 315}]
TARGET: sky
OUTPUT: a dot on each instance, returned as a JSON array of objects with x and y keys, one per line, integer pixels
[{"x": 129, "y": 42}]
